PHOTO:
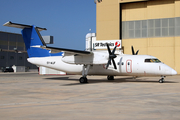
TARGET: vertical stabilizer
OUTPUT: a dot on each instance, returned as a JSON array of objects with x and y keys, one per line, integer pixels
[{"x": 32, "y": 39}]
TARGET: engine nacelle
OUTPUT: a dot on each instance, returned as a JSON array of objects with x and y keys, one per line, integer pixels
[{"x": 95, "y": 58}]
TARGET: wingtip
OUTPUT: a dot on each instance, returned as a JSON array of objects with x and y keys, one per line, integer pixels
[{"x": 7, "y": 23}]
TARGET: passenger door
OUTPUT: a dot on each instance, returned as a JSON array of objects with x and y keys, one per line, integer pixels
[{"x": 129, "y": 66}]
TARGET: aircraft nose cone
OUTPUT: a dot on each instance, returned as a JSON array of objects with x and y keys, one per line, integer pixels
[{"x": 173, "y": 72}]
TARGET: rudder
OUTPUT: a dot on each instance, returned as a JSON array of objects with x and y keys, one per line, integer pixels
[{"x": 33, "y": 41}]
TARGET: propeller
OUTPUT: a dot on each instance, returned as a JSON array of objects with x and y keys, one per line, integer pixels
[
  {"x": 111, "y": 56},
  {"x": 133, "y": 53}
]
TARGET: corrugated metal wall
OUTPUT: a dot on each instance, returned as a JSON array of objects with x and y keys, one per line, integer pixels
[{"x": 12, "y": 51}]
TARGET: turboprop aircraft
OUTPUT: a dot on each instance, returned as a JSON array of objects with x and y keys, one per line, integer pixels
[{"x": 89, "y": 62}]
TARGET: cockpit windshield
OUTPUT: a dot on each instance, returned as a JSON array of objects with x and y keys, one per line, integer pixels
[{"x": 151, "y": 60}]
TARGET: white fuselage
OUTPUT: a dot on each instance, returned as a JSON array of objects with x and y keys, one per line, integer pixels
[{"x": 127, "y": 65}]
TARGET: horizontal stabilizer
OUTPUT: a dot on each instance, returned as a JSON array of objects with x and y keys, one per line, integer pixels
[{"x": 22, "y": 26}]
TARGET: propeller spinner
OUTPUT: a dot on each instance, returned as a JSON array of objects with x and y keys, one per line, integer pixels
[{"x": 111, "y": 56}]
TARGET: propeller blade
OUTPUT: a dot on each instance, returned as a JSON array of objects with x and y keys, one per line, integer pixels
[
  {"x": 132, "y": 50},
  {"x": 133, "y": 53},
  {"x": 114, "y": 50},
  {"x": 111, "y": 56},
  {"x": 109, "y": 61},
  {"x": 137, "y": 52},
  {"x": 114, "y": 64},
  {"x": 108, "y": 49}
]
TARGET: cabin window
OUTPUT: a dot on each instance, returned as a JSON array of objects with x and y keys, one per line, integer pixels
[
  {"x": 122, "y": 63},
  {"x": 152, "y": 61}
]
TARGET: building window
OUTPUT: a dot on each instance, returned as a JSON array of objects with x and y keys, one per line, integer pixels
[
  {"x": 137, "y": 29},
  {"x": 165, "y": 27},
  {"x": 131, "y": 29},
  {"x": 157, "y": 27},
  {"x": 177, "y": 24},
  {"x": 151, "y": 28},
  {"x": 144, "y": 28},
  {"x": 171, "y": 27}
]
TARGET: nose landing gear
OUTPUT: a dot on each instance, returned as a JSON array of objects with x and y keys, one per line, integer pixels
[
  {"x": 85, "y": 71},
  {"x": 162, "y": 79}
]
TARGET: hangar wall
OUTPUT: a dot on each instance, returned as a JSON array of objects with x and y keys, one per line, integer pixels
[
  {"x": 151, "y": 26},
  {"x": 107, "y": 20},
  {"x": 12, "y": 51}
]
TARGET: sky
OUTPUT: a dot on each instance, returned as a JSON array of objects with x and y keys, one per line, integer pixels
[{"x": 67, "y": 20}]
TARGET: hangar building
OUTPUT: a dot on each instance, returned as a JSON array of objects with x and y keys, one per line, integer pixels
[
  {"x": 152, "y": 26},
  {"x": 13, "y": 51}
]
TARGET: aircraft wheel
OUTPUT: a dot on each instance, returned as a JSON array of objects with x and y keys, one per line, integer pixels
[
  {"x": 110, "y": 77},
  {"x": 83, "y": 80},
  {"x": 161, "y": 80}
]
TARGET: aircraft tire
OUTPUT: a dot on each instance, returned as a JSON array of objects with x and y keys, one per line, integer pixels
[
  {"x": 161, "y": 80},
  {"x": 83, "y": 80},
  {"x": 110, "y": 77}
]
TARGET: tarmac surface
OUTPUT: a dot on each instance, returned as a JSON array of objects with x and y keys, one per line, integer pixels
[{"x": 29, "y": 96}]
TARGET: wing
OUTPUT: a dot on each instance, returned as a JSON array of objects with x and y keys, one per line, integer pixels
[
  {"x": 68, "y": 51},
  {"x": 81, "y": 57}
]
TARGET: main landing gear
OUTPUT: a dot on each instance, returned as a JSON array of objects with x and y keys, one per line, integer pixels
[
  {"x": 162, "y": 79},
  {"x": 83, "y": 80},
  {"x": 85, "y": 71},
  {"x": 110, "y": 77}
]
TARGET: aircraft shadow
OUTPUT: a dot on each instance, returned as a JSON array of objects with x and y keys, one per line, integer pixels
[{"x": 103, "y": 80}]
